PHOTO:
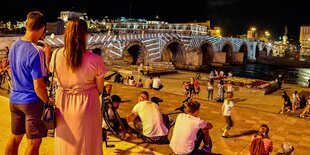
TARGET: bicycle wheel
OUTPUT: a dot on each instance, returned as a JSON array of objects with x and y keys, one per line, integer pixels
[{"x": 115, "y": 124}]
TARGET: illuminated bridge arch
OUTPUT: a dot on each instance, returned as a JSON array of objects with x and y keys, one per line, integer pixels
[
  {"x": 228, "y": 49},
  {"x": 206, "y": 49},
  {"x": 134, "y": 53},
  {"x": 244, "y": 49},
  {"x": 174, "y": 51}
]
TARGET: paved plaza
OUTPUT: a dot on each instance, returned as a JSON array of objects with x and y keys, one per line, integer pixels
[{"x": 253, "y": 109}]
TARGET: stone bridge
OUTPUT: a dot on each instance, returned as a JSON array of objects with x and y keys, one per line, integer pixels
[{"x": 184, "y": 51}]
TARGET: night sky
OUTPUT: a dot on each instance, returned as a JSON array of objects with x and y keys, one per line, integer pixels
[{"x": 233, "y": 16}]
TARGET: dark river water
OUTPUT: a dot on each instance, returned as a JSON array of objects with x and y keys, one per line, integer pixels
[{"x": 299, "y": 76}]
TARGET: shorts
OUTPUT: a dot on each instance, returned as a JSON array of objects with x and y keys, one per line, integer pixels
[{"x": 26, "y": 119}]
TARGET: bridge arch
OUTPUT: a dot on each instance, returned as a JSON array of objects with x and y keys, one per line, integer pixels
[
  {"x": 174, "y": 51},
  {"x": 244, "y": 49},
  {"x": 228, "y": 49},
  {"x": 206, "y": 48},
  {"x": 134, "y": 53}
]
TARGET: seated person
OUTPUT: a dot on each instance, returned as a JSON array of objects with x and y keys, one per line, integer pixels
[
  {"x": 153, "y": 128},
  {"x": 287, "y": 104},
  {"x": 189, "y": 131},
  {"x": 114, "y": 123},
  {"x": 303, "y": 102},
  {"x": 118, "y": 78},
  {"x": 306, "y": 110}
]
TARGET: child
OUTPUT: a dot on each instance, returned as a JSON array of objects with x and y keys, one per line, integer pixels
[
  {"x": 185, "y": 88},
  {"x": 227, "y": 109}
]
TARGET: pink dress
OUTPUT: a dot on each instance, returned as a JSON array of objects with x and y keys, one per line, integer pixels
[{"x": 78, "y": 130}]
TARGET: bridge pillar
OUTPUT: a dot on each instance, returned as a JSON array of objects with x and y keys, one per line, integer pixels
[
  {"x": 219, "y": 57},
  {"x": 237, "y": 57},
  {"x": 193, "y": 59}
]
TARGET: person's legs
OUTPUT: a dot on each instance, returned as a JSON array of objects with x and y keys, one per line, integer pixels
[
  {"x": 294, "y": 106},
  {"x": 211, "y": 92},
  {"x": 35, "y": 128},
  {"x": 12, "y": 145},
  {"x": 17, "y": 128},
  {"x": 33, "y": 146},
  {"x": 202, "y": 136},
  {"x": 305, "y": 111},
  {"x": 229, "y": 125}
]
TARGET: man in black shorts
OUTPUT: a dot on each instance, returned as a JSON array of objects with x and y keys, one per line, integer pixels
[{"x": 29, "y": 90}]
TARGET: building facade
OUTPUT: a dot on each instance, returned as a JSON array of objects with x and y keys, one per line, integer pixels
[{"x": 304, "y": 39}]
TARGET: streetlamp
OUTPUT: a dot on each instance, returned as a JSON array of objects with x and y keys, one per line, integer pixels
[
  {"x": 253, "y": 29},
  {"x": 267, "y": 34}
]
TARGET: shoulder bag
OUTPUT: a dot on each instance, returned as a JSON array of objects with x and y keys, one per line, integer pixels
[{"x": 49, "y": 108}]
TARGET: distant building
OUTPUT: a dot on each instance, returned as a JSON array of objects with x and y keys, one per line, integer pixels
[
  {"x": 66, "y": 15},
  {"x": 215, "y": 32},
  {"x": 304, "y": 39},
  {"x": 57, "y": 27},
  {"x": 124, "y": 25}
]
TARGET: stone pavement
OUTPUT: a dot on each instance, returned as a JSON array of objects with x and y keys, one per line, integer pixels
[{"x": 252, "y": 110}]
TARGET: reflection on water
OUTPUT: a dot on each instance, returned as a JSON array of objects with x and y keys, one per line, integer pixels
[{"x": 292, "y": 75}]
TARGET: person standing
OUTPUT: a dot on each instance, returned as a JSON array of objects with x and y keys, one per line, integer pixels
[
  {"x": 280, "y": 81},
  {"x": 140, "y": 69},
  {"x": 221, "y": 91},
  {"x": 189, "y": 131},
  {"x": 227, "y": 109},
  {"x": 29, "y": 90},
  {"x": 78, "y": 117},
  {"x": 210, "y": 88}
]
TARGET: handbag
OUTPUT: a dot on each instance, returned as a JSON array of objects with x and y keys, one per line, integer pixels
[{"x": 49, "y": 108}]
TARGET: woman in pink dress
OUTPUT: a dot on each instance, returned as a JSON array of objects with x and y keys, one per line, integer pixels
[{"x": 80, "y": 79}]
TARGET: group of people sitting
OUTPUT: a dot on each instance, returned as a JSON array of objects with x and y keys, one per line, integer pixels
[
  {"x": 188, "y": 132},
  {"x": 294, "y": 103},
  {"x": 149, "y": 83},
  {"x": 219, "y": 74}
]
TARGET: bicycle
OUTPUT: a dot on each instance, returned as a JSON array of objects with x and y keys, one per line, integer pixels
[
  {"x": 6, "y": 76},
  {"x": 113, "y": 120}
]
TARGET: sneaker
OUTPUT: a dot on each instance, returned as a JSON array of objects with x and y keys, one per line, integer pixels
[
  {"x": 302, "y": 116},
  {"x": 224, "y": 136},
  {"x": 206, "y": 149}
]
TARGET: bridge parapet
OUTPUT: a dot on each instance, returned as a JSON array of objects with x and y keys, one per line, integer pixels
[{"x": 174, "y": 47}]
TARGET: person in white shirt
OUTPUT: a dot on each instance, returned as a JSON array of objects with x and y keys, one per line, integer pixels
[
  {"x": 296, "y": 100},
  {"x": 140, "y": 69},
  {"x": 153, "y": 126},
  {"x": 157, "y": 84},
  {"x": 189, "y": 131},
  {"x": 227, "y": 109}
]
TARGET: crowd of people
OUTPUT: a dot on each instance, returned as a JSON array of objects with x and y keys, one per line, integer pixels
[{"x": 79, "y": 109}]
